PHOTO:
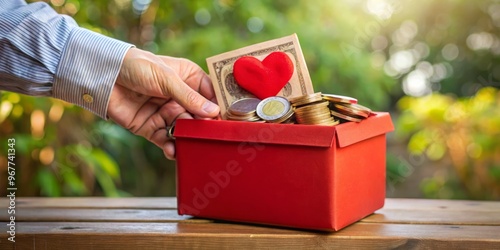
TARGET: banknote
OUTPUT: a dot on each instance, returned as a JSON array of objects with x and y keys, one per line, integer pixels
[{"x": 228, "y": 91}]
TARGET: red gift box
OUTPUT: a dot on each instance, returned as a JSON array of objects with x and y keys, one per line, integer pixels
[{"x": 302, "y": 176}]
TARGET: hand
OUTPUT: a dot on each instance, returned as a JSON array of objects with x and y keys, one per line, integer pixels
[{"x": 151, "y": 92}]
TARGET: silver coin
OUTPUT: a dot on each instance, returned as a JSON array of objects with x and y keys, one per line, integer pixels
[{"x": 244, "y": 106}]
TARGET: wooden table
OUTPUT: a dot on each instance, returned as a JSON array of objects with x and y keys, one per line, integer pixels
[{"x": 153, "y": 223}]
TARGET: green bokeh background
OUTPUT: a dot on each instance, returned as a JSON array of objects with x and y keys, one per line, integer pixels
[{"x": 433, "y": 64}]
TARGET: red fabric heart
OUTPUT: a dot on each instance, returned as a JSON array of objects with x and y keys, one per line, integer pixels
[{"x": 266, "y": 78}]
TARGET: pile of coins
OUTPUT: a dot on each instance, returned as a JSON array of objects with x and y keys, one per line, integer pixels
[
  {"x": 350, "y": 112},
  {"x": 313, "y": 110},
  {"x": 244, "y": 110},
  {"x": 346, "y": 108}
]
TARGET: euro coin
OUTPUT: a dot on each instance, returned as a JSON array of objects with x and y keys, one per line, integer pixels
[
  {"x": 285, "y": 118},
  {"x": 273, "y": 108}
]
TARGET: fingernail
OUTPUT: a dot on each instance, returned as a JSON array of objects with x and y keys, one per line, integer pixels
[{"x": 209, "y": 107}]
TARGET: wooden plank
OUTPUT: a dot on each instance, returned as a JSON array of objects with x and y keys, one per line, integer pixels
[
  {"x": 171, "y": 203},
  {"x": 98, "y": 215},
  {"x": 449, "y": 212},
  {"x": 439, "y": 205},
  {"x": 443, "y": 217},
  {"x": 58, "y": 235},
  {"x": 94, "y": 202},
  {"x": 407, "y": 211}
]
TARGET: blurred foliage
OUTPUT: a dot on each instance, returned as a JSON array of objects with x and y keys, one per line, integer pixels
[
  {"x": 375, "y": 50},
  {"x": 466, "y": 129}
]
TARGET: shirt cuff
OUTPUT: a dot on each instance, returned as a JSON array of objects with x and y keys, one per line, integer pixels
[{"x": 87, "y": 70}]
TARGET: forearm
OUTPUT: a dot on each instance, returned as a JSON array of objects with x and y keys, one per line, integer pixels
[{"x": 46, "y": 54}]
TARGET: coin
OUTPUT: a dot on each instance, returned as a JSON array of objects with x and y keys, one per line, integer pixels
[
  {"x": 244, "y": 106},
  {"x": 273, "y": 108},
  {"x": 325, "y": 121},
  {"x": 301, "y": 117},
  {"x": 313, "y": 106},
  {"x": 243, "y": 110},
  {"x": 285, "y": 118},
  {"x": 313, "y": 109},
  {"x": 306, "y": 99},
  {"x": 252, "y": 118},
  {"x": 345, "y": 117},
  {"x": 339, "y": 98},
  {"x": 361, "y": 108},
  {"x": 350, "y": 110}
]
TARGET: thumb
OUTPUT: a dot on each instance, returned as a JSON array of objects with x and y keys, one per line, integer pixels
[{"x": 193, "y": 101}]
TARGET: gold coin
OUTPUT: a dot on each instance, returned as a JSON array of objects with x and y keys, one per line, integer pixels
[
  {"x": 361, "y": 108},
  {"x": 306, "y": 99},
  {"x": 345, "y": 117},
  {"x": 339, "y": 98},
  {"x": 312, "y": 106},
  {"x": 313, "y": 111},
  {"x": 324, "y": 121},
  {"x": 331, "y": 123},
  {"x": 313, "y": 116},
  {"x": 356, "y": 107},
  {"x": 314, "y": 119},
  {"x": 349, "y": 110},
  {"x": 328, "y": 122}
]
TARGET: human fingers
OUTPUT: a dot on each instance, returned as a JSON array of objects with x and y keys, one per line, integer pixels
[
  {"x": 192, "y": 74},
  {"x": 206, "y": 89},
  {"x": 160, "y": 120},
  {"x": 169, "y": 145},
  {"x": 124, "y": 106},
  {"x": 139, "y": 72},
  {"x": 188, "y": 98},
  {"x": 169, "y": 150},
  {"x": 150, "y": 75}
]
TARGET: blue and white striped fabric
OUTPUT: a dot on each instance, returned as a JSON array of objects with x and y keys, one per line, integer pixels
[{"x": 43, "y": 53}]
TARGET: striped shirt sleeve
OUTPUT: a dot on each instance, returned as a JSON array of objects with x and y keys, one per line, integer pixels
[{"x": 43, "y": 53}]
